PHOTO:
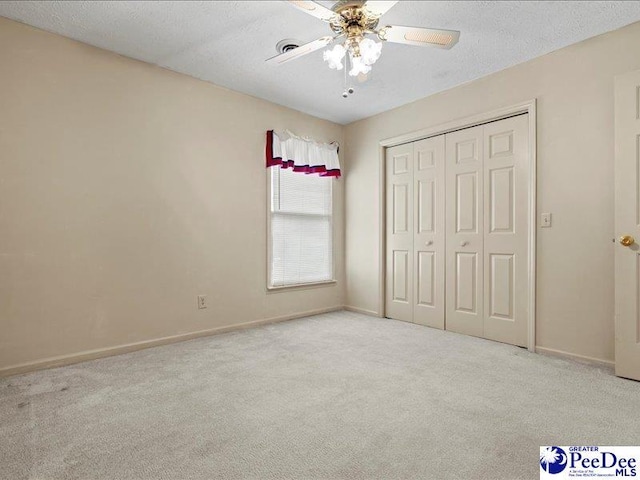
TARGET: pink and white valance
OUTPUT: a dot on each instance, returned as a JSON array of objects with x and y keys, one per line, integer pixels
[{"x": 302, "y": 155}]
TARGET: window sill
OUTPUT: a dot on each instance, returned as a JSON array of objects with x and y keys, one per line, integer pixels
[{"x": 301, "y": 286}]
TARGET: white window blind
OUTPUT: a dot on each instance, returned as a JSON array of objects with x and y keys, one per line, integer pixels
[{"x": 301, "y": 240}]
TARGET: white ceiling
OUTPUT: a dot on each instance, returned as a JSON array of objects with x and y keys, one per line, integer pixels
[{"x": 226, "y": 43}]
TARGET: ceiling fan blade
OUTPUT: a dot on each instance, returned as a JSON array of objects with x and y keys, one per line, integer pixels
[
  {"x": 378, "y": 8},
  {"x": 300, "y": 51},
  {"x": 313, "y": 8},
  {"x": 430, "y": 37}
]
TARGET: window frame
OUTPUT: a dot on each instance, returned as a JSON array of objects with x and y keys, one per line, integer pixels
[{"x": 298, "y": 286}]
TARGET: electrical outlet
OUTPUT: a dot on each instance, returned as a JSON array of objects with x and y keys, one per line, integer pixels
[
  {"x": 545, "y": 220},
  {"x": 202, "y": 301}
]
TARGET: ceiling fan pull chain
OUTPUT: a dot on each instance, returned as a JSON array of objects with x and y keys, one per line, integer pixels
[
  {"x": 350, "y": 90},
  {"x": 344, "y": 91}
]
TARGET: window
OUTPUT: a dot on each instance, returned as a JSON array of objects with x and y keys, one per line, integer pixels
[{"x": 301, "y": 229}]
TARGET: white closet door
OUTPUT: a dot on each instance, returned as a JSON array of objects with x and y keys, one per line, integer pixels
[
  {"x": 506, "y": 223},
  {"x": 464, "y": 231},
  {"x": 429, "y": 238},
  {"x": 457, "y": 231},
  {"x": 399, "y": 208}
]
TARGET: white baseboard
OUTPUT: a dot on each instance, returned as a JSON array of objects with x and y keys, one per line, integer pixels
[
  {"x": 362, "y": 310},
  {"x": 62, "y": 360},
  {"x": 574, "y": 356}
]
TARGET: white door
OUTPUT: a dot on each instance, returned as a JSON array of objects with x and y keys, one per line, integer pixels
[
  {"x": 627, "y": 224},
  {"x": 428, "y": 240},
  {"x": 506, "y": 229},
  {"x": 458, "y": 229},
  {"x": 399, "y": 251},
  {"x": 464, "y": 231}
]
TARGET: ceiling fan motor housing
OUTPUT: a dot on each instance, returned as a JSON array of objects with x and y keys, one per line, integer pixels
[
  {"x": 342, "y": 4},
  {"x": 352, "y": 19}
]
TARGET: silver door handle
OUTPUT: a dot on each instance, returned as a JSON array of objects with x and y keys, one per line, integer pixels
[
  {"x": 428, "y": 243},
  {"x": 464, "y": 244}
]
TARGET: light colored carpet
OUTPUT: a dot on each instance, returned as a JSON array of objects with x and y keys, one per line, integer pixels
[{"x": 336, "y": 396}]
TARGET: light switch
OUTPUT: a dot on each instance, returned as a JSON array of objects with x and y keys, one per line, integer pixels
[{"x": 545, "y": 220}]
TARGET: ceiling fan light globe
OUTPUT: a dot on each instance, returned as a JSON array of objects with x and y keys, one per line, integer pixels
[
  {"x": 334, "y": 66},
  {"x": 358, "y": 66},
  {"x": 333, "y": 56},
  {"x": 370, "y": 51}
]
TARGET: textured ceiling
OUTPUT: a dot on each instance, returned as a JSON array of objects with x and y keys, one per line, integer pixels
[{"x": 227, "y": 43}]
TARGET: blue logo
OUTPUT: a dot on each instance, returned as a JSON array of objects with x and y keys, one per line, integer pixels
[{"x": 553, "y": 460}]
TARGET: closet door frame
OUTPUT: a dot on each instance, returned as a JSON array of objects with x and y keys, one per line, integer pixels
[{"x": 528, "y": 107}]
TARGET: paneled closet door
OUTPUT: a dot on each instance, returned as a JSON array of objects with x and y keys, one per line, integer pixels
[
  {"x": 429, "y": 238},
  {"x": 464, "y": 231},
  {"x": 506, "y": 223},
  {"x": 399, "y": 250}
]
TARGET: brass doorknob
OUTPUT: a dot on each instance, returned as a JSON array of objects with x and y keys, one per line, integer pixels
[{"x": 627, "y": 240}]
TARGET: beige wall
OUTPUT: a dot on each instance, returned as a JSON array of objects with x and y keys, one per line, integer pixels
[
  {"x": 125, "y": 191},
  {"x": 574, "y": 90}
]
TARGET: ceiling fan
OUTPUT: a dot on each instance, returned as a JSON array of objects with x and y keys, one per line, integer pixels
[{"x": 356, "y": 22}]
